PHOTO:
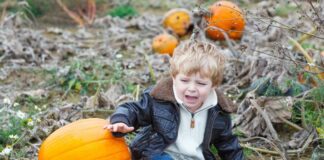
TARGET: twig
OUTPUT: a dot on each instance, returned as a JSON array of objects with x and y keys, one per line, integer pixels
[
  {"x": 267, "y": 120},
  {"x": 304, "y": 94},
  {"x": 290, "y": 152},
  {"x": 137, "y": 92},
  {"x": 3, "y": 57},
  {"x": 150, "y": 68},
  {"x": 268, "y": 141},
  {"x": 303, "y": 11},
  {"x": 302, "y": 113},
  {"x": 284, "y": 26},
  {"x": 316, "y": 13},
  {"x": 306, "y": 55},
  {"x": 306, "y": 36},
  {"x": 306, "y": 144},
  {"x": 259, "y": 154},
  {"x": 73, "y": 15},
  {"x": 4, "y": 11},
  {"x": 291, "y": 124},
  {"x": 286, "y": 60},
  {"x": 260, "y": 149},
  {"x": 228, "y": 41}
]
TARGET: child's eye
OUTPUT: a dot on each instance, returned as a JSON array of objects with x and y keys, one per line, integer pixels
[
  {"x": 200, "y": 83},
  {"x": 184, "y": 80}
]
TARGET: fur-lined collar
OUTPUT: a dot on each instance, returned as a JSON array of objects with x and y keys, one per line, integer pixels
[{"x": 163, "y": 91}]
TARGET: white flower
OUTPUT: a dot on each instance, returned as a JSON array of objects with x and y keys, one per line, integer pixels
[
  {"x": 119, "y": 56},
  {"x": 37, "y": 108},
  {"x": 21, "y": 114},
  {"x": 13, "y": 136},
  {"x": 7, "y": 101},
  {"x": 311, "y": 64},
  {"x": 16, "y": 104},
  {"x": 6, "y": 151},
  {"x": 30, "y": 122}
]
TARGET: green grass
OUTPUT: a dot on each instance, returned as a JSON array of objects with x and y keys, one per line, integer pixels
[
  {"x": 86, "y": 77},
  {"x": 313, "y": 111},
  {"x": 123, "y": 11},
  {"x": 285, "y": 10}
]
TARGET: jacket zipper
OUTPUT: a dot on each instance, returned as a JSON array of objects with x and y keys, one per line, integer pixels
[{"x": 192, "y": 123}]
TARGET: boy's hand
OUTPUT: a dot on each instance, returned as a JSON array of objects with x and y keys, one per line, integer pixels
[{"x": 118, "y": 127}]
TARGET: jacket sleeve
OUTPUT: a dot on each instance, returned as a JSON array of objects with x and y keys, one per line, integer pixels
[
  {"x": 226, "y": 143},
  {"x": 134, "y": 114}
]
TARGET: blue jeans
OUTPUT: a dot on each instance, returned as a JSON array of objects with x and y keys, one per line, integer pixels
[{"x": 163, "y": 156}]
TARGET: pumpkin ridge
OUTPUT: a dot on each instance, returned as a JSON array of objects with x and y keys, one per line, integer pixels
[{"x": 88, "y": 143}]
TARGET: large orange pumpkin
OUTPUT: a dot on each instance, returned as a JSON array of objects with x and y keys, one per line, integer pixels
[
  {"x": 84, "y": 140},
  {"x": 227, "y": 16},
  {"x": 178, "y": 20},
  {"x": 164, "y": 43}
]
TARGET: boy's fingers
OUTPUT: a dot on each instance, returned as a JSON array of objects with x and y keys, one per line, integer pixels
[
  {"x": 106, "y": 127},
  {"x": 129, "y": 129},
  {"x": 125, "y": 129},
  {"x": 115, "y": 128},
  {"x": 119, "y": 127}
]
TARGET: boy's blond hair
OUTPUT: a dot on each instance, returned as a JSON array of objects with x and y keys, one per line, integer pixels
[{"x": 198, "y": 57}]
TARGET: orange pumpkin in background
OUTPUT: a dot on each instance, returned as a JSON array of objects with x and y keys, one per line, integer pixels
[
  {"x": 227, "y": 16},
  {"x": 164, "y": 43},
  {"x": 84, "y": 139},
  {"x": 178, "y": 20}
]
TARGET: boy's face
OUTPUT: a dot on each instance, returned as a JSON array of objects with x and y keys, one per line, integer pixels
[{"x": 192, "y": 89}]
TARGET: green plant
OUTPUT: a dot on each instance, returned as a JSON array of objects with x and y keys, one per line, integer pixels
[
  {"x": 37, "y": 7},
  {"x": 89, "y": 76},
  {"x": 31, "y": 104},
  {"x": 28, "y": 9},
  {"x": 214, "y": 150},
  {"x": 310, "y": 109},
  {"x": 129, "y": 87},
  {"x": 247, "y": 152},
  {"x": 285, "y": 10},
  {"x": 294, "y": 88},
  {"x": 123, "y": 11},
  {"x": 14, "y": 125},
  {"x": 82, "y": 77}
]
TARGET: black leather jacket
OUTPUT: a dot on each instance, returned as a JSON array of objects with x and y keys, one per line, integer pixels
[{"x": 158, "y": 115}]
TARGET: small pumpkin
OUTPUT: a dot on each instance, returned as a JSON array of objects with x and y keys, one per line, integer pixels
[
  {"x": 84, "y": 139},
  {"x": 178, "y": 20},
  {"x": 227, "y": 16},
  {"x": 164, "y": 43}
]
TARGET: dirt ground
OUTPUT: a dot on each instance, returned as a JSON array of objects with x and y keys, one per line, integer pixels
[{"x": 54, "y": 72}]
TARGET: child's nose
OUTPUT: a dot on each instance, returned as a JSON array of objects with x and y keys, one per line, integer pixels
[{"x": 192, "y": 88}]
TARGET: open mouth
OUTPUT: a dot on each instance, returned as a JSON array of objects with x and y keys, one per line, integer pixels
[{"x": 191, "y": 99}]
